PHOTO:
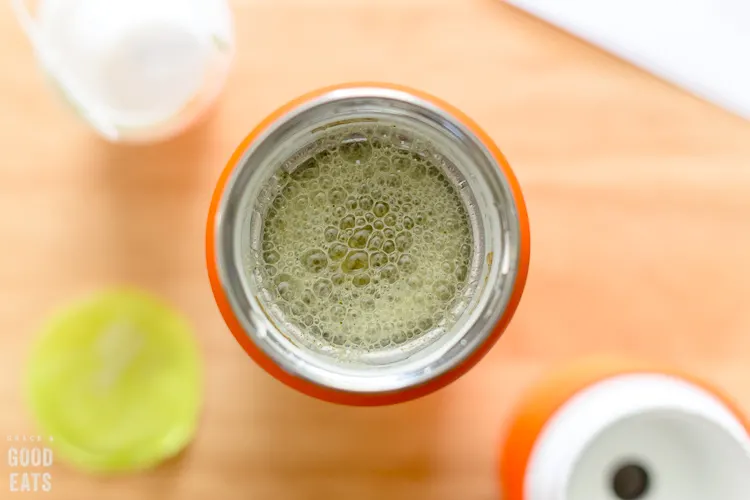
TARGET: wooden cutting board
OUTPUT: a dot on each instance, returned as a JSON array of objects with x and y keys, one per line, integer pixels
[{"x": 639, "y": 198}]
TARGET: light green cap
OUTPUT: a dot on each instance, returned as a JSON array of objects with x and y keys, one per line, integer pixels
[{"x": 115, "y": 381}]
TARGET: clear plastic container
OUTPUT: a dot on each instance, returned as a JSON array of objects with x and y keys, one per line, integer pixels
[{"x": 135, "y": 70}]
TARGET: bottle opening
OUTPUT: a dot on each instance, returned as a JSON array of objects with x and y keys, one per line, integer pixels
[{"x": 369, "y": 246}]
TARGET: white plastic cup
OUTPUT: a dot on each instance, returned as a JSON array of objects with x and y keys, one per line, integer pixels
[
  {"x": 614, "y": 431},
  {"x": 136, "y": 70}
]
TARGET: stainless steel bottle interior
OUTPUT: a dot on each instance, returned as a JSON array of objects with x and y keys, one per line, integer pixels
[{"x": 486, "y": 193}]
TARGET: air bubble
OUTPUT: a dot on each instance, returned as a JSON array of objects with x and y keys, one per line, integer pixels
[
  {"x": 465, "y": 251},
  {"x": 282, "y": 178},
  {"x": 323, "y": 288},
  {"x": 337, "y": 196},
  {"x": 380, "y": 209},
  {"x": 404, "y": 241},
  {"x": 361, "y": 280},
  {"x": 360, "y": 237},
  {"x": 378, "y": 260},
  {"x": 443, "y": 290},
  {"x": 314, "y": 260},
  {"x": 271, "y": 256},
  {"x": 425, "y": 324},
  {"x": 347, "y": 222},
  {"x": 418, "y": 171},
  {"x": 298, "y": 308},
  {"x": 279, "y": 202},
  {"x": 319, "y": 199},
  {"x": 415, "y": 282},
  {"x": 390, "y": 219},
  {"x": 307, "y": 297},
  {"x": 331, "y": 233},
  {"x": 383, "y": 163},
  {"x": 337, "y": 251},
  {"x": 365, "y": 202},
  {"x": 461, "y": 273},
  {"x": 290, "y": 190},
  {"x": 389, "y": 246},
  {"x": 398, "y": 338},
  {"x": 407, "y": 264},
  {"x": 401, "y": 164},
  {"x": 376, "y": 241},
  {"x": 393, "y": 180},
  {"x": 302, "y": 200},
  {"x": 355, "y": 261},
  {"x": 389, "y": 273},
  {"x": 286, "y": 286}
]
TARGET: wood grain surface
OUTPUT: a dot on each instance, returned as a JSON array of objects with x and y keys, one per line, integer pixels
[{"x": 639, "y": 199}]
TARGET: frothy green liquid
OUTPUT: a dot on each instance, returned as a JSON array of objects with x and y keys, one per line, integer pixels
[{"x": 366, "y": 245}]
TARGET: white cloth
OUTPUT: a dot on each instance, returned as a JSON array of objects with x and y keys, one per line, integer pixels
[{"x": 700, "y": 45}]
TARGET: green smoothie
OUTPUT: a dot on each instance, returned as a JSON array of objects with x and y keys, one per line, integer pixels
[{"x": 366, "y": 244}]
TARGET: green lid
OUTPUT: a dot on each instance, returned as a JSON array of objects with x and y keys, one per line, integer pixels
[{"x": 115, "y": 380}]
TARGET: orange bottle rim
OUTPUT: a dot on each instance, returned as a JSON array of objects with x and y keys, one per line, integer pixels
[
  {"x": 540, "y": 404},
  {"x": 330, "y": 394}
]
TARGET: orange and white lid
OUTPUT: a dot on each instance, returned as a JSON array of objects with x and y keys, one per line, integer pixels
[{"x": 617, "y": 430}]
